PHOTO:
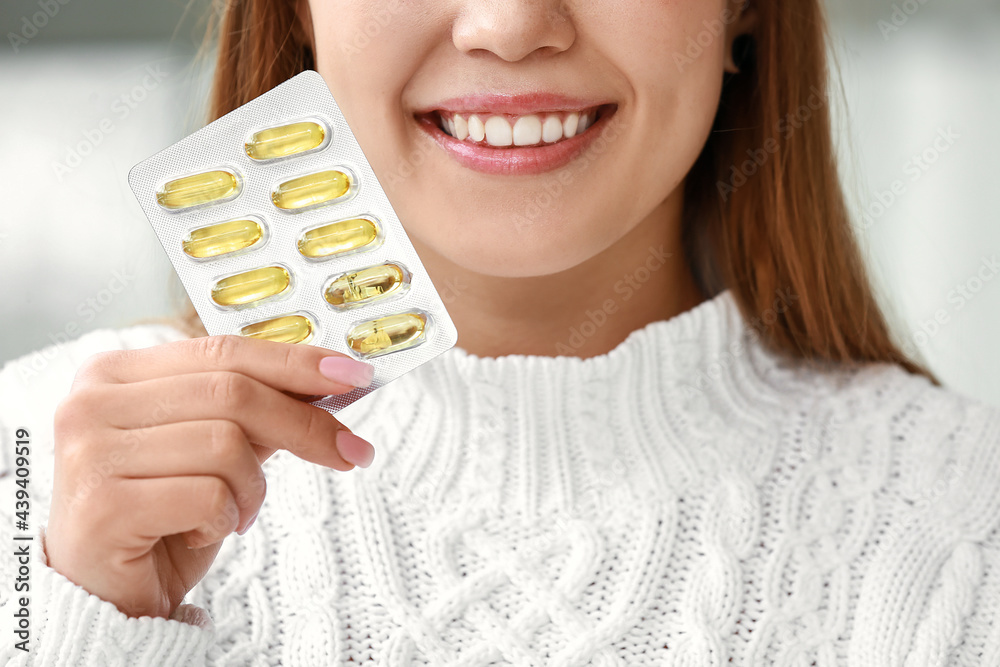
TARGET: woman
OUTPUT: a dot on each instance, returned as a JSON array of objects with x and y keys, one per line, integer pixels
[{"x": 675, "y": 431}]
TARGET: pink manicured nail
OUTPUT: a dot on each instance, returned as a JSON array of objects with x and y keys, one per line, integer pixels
[
  {"x": 347, "y": 371},
  {"x": 354, "y": 449}
]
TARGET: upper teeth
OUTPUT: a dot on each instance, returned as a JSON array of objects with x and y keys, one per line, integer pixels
[{"x": 523, "y": 131}]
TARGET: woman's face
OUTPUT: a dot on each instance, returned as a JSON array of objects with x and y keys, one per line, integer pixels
[{"x": 409, "y": 74}]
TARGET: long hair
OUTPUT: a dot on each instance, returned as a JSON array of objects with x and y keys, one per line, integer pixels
[{"x": 764, "y": 211}]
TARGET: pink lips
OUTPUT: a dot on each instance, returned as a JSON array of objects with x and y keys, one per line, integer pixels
[{"x": 513, "y": 160}]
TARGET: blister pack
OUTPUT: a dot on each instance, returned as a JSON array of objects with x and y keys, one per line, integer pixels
[{"x": 279, "y": 229}]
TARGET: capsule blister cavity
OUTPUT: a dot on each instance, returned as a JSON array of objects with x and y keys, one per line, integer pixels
[
  {"x": 316, "y": 189},
  {"x": 388, "y": 334},
  {"x": 370, "y": 284},
  {"x": 286, "y": 140},
  {"x": 249, "y": 287},
  {"x": 222, "y": 238},
  {"x": 338, "y": 238},
  {"x": 207, "y": 187},
  {"x": 294, "y": 328}
]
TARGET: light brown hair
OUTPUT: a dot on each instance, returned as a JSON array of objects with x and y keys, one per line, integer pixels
[{"x": 765, "y": 214}]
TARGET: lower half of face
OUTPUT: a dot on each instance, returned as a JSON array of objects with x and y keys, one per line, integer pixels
[{"x": 524, "y": 138}]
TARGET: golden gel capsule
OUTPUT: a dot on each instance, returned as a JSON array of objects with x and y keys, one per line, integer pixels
[
  {"x": 364, "y": 285},
  {"x": 337, "y": 238},
  {"x": 284, "y": 329},
  {"x": 222, "y": 238},
  {"x": 311, "y": 190},
  {"x": 198, "y": 189},
  {"x": 250, "y": 286},
  {"x": 285, "y": 140},
  {"x": 387, "y": 334}
]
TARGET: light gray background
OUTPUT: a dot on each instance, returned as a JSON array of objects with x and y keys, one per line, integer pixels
[{"x": 118, "y": 77}]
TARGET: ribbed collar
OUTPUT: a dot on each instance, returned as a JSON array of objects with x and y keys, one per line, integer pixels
[
  {"x": 713, "y": 323},
  {"x": 535, "y": 433}
]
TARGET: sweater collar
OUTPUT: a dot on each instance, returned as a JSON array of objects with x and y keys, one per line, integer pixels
[
  {"x": 715, "y": 321},
  {"x": 536, "y": 432}
]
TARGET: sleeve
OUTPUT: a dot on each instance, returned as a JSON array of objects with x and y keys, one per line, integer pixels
[
  {"x": 46, "y": 619},
  {"x": 981, "y": 637},
  {"x": 980, "y": 632},
  {"x": 929, "y": 573}
]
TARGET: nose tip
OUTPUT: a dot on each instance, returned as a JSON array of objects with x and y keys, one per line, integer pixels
[{"x": 513, "y": 30}]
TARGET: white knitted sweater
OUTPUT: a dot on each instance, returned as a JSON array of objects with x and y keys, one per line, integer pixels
[{"x": 686, "y": 499}]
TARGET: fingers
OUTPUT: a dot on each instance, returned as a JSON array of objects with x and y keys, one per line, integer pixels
[
  {"x": 266, "y": 416},
  {"x": 212, "y": 447},
  {"x": 169, "y": 505},
  {"x": 299, "y": 369}
]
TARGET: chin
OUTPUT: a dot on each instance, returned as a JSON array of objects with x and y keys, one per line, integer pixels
[{"x": 506, "y": 255}]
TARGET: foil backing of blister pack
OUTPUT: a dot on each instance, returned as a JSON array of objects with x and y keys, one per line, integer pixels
[{"x": 221, "y": 146}]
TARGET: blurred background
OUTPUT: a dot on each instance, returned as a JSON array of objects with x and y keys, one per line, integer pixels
[{"x": 94, "y": 86}]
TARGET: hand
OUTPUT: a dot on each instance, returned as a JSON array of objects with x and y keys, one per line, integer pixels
[{"x": 158, "y": 457}]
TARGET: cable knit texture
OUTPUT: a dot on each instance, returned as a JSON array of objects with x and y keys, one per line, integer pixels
[{"x": 689, "y": 498}]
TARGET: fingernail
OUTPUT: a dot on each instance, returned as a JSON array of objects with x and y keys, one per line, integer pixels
[
  {"x": 354, "y": 449},
  {"x": 247, "y": 527},
  {"x": 347, "y": 371}
]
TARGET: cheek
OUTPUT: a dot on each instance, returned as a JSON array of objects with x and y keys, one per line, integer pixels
[
  {"x": 676, "y": 86},
  {"x": 367, "y": 50}
]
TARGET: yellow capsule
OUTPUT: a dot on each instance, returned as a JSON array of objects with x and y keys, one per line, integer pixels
[
  {"x": 311, "y": 190},
  {"x": 250, "y": 286},
  {"x": 197, "y": 189},
  {"x": 284, "y": 329},
  {"x": 285, "y": 140},
  {"x": 337, "y": 238},
  {"x": 387, "y": 334},
  {"x": 222, "y": 238},
  {"x": 365, "y": 285}
]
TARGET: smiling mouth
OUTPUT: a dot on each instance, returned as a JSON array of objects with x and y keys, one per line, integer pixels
[{"x": 501, "y": 130}]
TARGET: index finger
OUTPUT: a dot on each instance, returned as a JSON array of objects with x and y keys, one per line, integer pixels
[{"x": 300, "y": 369}]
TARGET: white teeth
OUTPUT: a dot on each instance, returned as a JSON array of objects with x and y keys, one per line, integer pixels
[
  {"x": 461, "y": 127},
  {"x": 477, "y": 131},
  {"x": 527, "y": 131},
  {"x": 570, "y": 125},
  {"x": 552, "y": 130},
  {"x": 499, "y": 132}
]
